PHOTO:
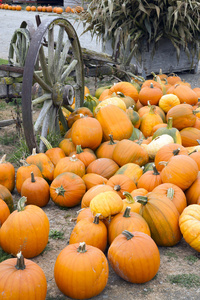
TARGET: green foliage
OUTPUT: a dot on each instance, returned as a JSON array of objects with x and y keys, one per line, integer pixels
[
  {"x": 191, "y": 259},
  {"x": 186, "y": 280},
  {"x": 56, "y": 235},
  {"x": 150, "y": 21},
  {"x": 4, "y": 255},
  {"x": 3, "y": 61}
]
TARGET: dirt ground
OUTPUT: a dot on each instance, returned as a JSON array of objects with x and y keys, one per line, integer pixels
[{"x": 178, "y": 276}]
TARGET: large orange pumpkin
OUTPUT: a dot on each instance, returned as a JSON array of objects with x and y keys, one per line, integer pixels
[
  {"x": 90, "y": 279},
  {"x": 70, "y": 164},
  {"x": 93, "y": 179},
  {"x": 33, "y": 238},
  {"x": 125, "y": 88},
  {"x": 105, "y": 167},
  {"x": 134, "y": 256},
  {"x": 121, "y": 183},
  {"x": 190, "y": 136},
  {"x": 150, "y": 94},
  {"x": 184, "y": 93},
  {"x": 182, "y": 116}
]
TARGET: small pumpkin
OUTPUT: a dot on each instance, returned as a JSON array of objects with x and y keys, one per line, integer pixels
[
  {"x": 150, "y": 93},
  {"x": 86, "y": 155},
  {"x": 69, "y": 164},
  {"x": 92, "y": 192},
  {"x": 7, "y": 174},
  {"x": 4, "y": 211},
  {"x": 148, "y": 121},
  {"x": 121, "y": 183},
  {"x": 150, "y": 179},
  {"x": 93, "y": 179},
  {"x": 174, "y": 132},
  {"x": 105, "y": 167},
  {"x": 182, "y": 115},
  {"x": 133, "y": 171},
  {"x": 168, "y": 101},
  {"x": 105, "y": 150}
]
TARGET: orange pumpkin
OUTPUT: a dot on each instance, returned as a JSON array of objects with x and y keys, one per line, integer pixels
[
  {"x": 173, "y": 79},
  {"x": 68, "y": 9},
  {"x": 70, "y": 262},
  {"x": 4, "y": 211},
  {"x": 190, "y": 136},
  {"x": 105, "y": 150},
  {"x": 196, "y": 156},
  {"x": 105, "y": 167},
  {"x": 148, "y": 121},
  {"x": 6, "y": 196},
  {"x": 69, "y": 164},
  {"x": 184, "y": 93},
  {"x": 125, "y": 88},
  {"x": 92, "y": 192},
  {"x": 7, "y": 174},
  {"x": 29, "y": 240},
  {"x": 67, "y": 189},
  {"x": 192, "y": 193},
  {"x": 150, "y": 179},
  {"x": 86, "y": 155},
  {"x": 133, "y": 171},
  {"x": 150, "y": 94},
  {"x": 140, "y": 267},
  {"x": 93, "y": 179},
  {"x": 121, "y": 183},
  {"x": 168, "y": 101}
]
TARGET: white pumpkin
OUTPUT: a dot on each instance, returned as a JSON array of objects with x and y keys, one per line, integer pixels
[{"x": 153, "y": 147}]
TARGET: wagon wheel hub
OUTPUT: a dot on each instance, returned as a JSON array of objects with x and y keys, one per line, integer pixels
[{"x": 62, "y": 94}]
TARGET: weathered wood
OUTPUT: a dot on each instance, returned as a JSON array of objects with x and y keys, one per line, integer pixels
[
  {"x": 9, "y": 122},
  {"x": 14, "y": 69}
]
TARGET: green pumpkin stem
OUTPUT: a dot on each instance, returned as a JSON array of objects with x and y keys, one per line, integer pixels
[
  {"x": 32, "y": 177},
  {"x": 46, "y": 142},
  {"x": 111, "y": 142},
  {"x": 169, "y": 123},
  {"x": 79, "y": 149},
  {"x": 170, "y": 193},
  {"x": 129, "y": 197},
  {"x": 120, "y": 94},
  {"x": 176, "y": 151},
  {"x": 141, "y": 199},
  {"x": 20, "y": 262},
  {"x": 128, "y": 234},
  {"x": 127, "y": 212},
  {"x": 3, "y": 159},
  {"x": 96, "y": 219},
  {"x": 155, "y": 171},
  {"x": 152, "y": 108},
  {"x": 60, "y": 191},
  {"x": 82, "y": 248},
  {"x": 21, "y": 203}
]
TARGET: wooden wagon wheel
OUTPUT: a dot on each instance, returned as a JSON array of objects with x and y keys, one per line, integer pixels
[{"x": 54, "y": 61}]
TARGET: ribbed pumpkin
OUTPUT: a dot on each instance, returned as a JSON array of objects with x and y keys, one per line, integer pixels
[
  {"x": 196, "y": 156},
  {"x": 112, "y": 100},
  {"x": 151, "y": 94},
  {"x": 91, "y": 279},
  {"x": 84, "y": 213},
  {"x": 106, "y": 203},
  {"x": 24, "y": 279},
  {"x": 190, "y": 136},
  {"x": 24, "y": 172},
  {"x": 134, "y": 256},
  {"x": 114, "y": 121},
  {"x": 162, "y": 217},
  {"x": 168, "y": 101},
  {"x": 157, "y": 110},
  {"x": 97, "y": 230},
  {"x": 148, "y": 121},
  {"x": 105, "y": 150},
  {"x": 90, "y": 102},
  {"x": 67, "y": 189},
  {"x": 173, "y": 78},
  {"x": 36, "y": 190},
  {"x": 182, "y": 115},
  {"x": 133, "y": 116},
  {"x": 86, "y": 155},
  {"x": 127, "y": 220},
  {"x": 127, "y": 151},
  {"x": 77, "y": 114},
  {"x": 55, "y": 154},
  {"x": 93, "y": 179},
  {"x": 7, "y": 174},
  {"x": 170, "y": 131},
  {"x": 121, "y": 183},
  {"x": 130, "y": 200},
  {"x": 133, "y": 171},
  {"x": 125, "y": 88},
  {"x": 181, "y": 170},
  {"x": 193, "y": 192},
  {"x": 168, "y": 151},
  {"x": 174, "y": 193},
  {"x": 105, "y": 167},
  {"x": 67, "y": 146},
  {"x": 150, "y": 179},
  {"x": 43, "y": 162},
  {"x": 189, "y": 225},
  {"x": 33, "y": 238},
  {"x": 70, "y": 164},
  {"x": 92, "y": 192},
  {"x": 184, "y": 93},
  {"x": 87, "y": 132}
]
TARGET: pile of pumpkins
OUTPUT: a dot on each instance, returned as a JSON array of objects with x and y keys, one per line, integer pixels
[
  {"x": 10, "y": 7},
  {"x": 131, "y": 160}
]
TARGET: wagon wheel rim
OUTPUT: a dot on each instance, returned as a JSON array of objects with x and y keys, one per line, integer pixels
[
  {"x": 53, "y": 77},
  {"x": 19, "y": 46}
]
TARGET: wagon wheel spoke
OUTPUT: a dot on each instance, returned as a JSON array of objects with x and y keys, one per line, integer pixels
[{"x": 47, "y": 65}]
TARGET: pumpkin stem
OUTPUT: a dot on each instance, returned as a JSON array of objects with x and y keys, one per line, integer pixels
[
  {"x": 170, "y": 193},
  {"x": 60, "y": 191},
  {"x": 96, "y": 219},
  {"x": 198, "y": 141},
  {"x": 79, "y": 149},
  {"x": 127, "y": 212},
  {"x": 129, "y": 197},
  {"x": 163, "y": 163},
  {"x": 128, "y": 234},
  {"x": 169, "y": 123},
  {"x": 117, "y": 188},
  {"x": 120, "y": 94},
  {"x": 155, "y": 171},
  {"x": 34, "y": 151},
  {"x": 21, "y": 203},
  {"x": 141, "y": 199},
  {"x": 24, "y": 162},
  {"x": 81, "y": 248},
  {"x": 46, "y": 142},
  {"x": 32, "y": 177},
  {"x": 111, "y": 142},
  {"x": 3, "y": 159},
  {"x": 73, "y": 158},
  {"x": 151, "y": 85},
  {"x": 176, "y": 151},
  {"x": 139, "y": 78},
  {"x": 152, "y": 108},
  {"x": 20, "y": 262}
]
